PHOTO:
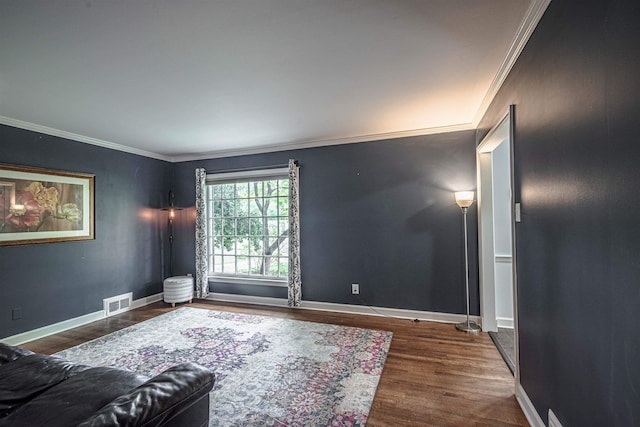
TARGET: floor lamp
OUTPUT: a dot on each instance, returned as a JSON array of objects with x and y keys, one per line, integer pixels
[
  {"x": 464, "y": 199},
  {"x": 172, "y": 215}
]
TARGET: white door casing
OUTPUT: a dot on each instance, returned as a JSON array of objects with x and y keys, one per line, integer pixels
[{"x": 496, "y": 230}]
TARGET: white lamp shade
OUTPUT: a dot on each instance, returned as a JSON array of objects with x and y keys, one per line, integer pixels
[{"x": 464, "y": 199}]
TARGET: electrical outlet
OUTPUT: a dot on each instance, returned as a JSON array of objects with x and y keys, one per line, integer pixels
[
  {"x": 355, "y": 289},
  {"x": 16, "y": 313}
]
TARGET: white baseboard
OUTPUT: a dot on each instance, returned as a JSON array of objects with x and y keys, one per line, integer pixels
[
  {"x": 247, "y": 299},
  {"x": 504, "y": 322},
  {"x": 553, "y": 420},
  {"x": 527, "y": 407},
  {"x": 53, "y": 329},
  {"x": 65, "y": 325},
  {"x": 347, "y": 308},
  {"x": 141, "y": 302}
]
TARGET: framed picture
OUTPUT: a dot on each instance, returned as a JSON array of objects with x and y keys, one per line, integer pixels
[{"x": 44, "y": 206}]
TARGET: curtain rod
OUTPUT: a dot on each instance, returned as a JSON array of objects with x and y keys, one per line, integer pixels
[{"x": 282, "y": 165}]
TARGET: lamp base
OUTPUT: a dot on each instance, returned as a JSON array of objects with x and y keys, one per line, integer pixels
[{"x": 470, "y": 327}]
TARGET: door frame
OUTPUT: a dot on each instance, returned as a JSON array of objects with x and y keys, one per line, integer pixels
[{"x": 502, "y": 132}]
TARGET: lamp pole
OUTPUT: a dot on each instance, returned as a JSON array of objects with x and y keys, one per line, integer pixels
[
  {"x": 171, "y": 208},
  {"x": 464, "y": 200},
  {"x": 172, "y": 213}
]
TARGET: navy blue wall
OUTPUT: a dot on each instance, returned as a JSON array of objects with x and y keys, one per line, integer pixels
[
  {"x": 381, "y": 214},
  {"x": 57, "y": 281},
  {"x": 576, "y": 89}
]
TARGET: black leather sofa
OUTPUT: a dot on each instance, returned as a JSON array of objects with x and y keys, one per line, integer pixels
[{"x": 39, "y": 390}]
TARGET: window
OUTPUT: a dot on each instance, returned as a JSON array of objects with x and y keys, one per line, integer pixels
[{"x": 248, "y": 227}]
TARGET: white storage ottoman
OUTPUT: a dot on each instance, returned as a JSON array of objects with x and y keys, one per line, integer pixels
[{"x": 178, "y": 289}]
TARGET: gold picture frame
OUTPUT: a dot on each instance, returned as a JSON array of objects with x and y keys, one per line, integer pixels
[{"x": 44, "y": 206}]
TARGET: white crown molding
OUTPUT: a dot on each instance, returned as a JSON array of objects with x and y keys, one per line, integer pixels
[
  {"x": 527, "y": 26},
  {"x": 75, "y": 322},
  {"x": 232, "y": 153},
  {"x": 79, "y": 138},
  {"x": 345, "y": 308},
  {"x": 527, "y": 407},
  {"x": 322, "y": 143}
]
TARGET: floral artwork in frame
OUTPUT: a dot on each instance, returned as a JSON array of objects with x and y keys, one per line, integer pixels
[{"x": 44, "y": 206}]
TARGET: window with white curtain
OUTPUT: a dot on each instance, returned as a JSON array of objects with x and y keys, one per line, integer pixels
[{"x": 247, "y": 216}]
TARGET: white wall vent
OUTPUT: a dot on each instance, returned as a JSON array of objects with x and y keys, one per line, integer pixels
[
  {"x": 553, "y": 420},
  {"x": 118, "y": 304}
]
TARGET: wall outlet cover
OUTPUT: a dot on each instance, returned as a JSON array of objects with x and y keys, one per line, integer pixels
[{"x": 355, "y": 289}]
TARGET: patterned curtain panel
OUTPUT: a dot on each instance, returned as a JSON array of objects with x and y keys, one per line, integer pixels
[
  {"x": 202, "y": 268},
  {"x": 295, "y": 277}
]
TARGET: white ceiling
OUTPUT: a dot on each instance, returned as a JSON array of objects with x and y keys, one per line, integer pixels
[{"x": 182, "y": 79}]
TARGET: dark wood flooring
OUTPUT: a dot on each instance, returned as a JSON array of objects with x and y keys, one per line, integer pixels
[{"x": 434, "y": 374}]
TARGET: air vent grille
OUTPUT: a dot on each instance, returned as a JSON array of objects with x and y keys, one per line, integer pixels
[{"x": 118, "y": 304}]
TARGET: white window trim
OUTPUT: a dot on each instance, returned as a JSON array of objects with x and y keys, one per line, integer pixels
[
  {"x": 232, "y": 176},
  {"x": 217, "y": 178},
  {"x": 245, "y": 280}
]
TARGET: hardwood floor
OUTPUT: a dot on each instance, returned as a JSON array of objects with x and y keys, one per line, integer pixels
[{"x": 434, "y": 374}]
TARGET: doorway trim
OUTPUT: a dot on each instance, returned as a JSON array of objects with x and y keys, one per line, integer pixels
[{"x": 500, "y": 133}]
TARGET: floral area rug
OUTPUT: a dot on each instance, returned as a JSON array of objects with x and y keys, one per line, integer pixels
[{"x": 269, "y": 371}]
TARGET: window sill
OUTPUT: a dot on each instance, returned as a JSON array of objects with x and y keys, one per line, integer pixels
[{"x": 248, "y": 281}]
